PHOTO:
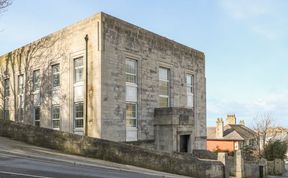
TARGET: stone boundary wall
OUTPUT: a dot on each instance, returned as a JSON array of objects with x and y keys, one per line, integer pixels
[
  {"x": 111, "y": 151},
  {"x": 276, "y": 167}
]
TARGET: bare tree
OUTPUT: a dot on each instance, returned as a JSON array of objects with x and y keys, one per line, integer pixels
[
  {"x": 262, "y": 124},
  {"x": 4, "y": 4}
]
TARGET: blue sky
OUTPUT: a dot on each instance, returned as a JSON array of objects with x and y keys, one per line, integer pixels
[{"x": 245, "y": 43}]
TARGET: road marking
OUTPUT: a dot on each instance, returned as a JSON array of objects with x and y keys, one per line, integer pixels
[{"x": 26, "y": 175}]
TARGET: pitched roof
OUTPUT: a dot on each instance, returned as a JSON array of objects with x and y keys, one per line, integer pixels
[{"x": 232, "y": 132}]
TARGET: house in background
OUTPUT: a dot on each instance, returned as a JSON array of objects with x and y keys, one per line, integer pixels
[
  {"x": 109, "y": 79},
  {"x": 230, "y": 137}
]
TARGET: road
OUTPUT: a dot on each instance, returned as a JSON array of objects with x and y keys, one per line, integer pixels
[{"x": 19, "y": 160}]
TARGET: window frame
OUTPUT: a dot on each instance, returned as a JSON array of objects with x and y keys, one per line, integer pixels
[
  {"x": 75, "y": 69},
  {"x": 34, "y": 116},
  {"x": 168, "y": 81},
  {"x": 75, "y": 115},
  {"x": 54, "y": 74},
  {"x": 190, "y": 88},
  {"x": 37, "y": 71},
  {"x": 55, "y": 119}
]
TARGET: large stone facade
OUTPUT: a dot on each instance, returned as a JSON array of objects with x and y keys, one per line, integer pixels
[{"x": 108, "y": 44}]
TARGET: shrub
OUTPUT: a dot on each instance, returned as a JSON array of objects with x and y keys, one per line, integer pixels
[{"x": 275, "y": 150}]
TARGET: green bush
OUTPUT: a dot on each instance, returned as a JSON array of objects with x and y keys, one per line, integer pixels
[{"x": 275, "y": 150}]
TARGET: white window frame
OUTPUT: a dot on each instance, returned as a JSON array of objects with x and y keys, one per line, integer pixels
[
  {"x": 135, "y": 86},
  {"x": 53, "y": 119},
  {"x": 79, "y": 118},
  {"x": 168, "y": 85},
  {"x": 55, "y": 73},
  {"x": 77, "y": 68},
  {"x": 190, "y": 92}
]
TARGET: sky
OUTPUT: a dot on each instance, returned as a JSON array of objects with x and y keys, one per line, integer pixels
[{"x": 245, "y": 43}]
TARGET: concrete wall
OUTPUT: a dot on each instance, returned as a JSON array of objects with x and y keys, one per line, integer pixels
[
  {"x": 112, "y": 151},
  {"x": 122, "y": 40}
]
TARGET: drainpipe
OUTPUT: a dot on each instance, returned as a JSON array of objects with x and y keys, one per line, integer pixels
[{"x": 86, "y": 86}]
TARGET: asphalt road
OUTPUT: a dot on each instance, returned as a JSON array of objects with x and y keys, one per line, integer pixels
[{"x": 19, "y": 160}]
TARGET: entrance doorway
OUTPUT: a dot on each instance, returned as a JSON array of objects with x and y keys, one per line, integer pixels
[{"x": 184, "y": 143}]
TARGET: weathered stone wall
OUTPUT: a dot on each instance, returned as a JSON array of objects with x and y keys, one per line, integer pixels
[
  {"x": 112, "y": 151},
  {"x": 58, "y": 48},
  {"x": 122, "y": 40},
  {"x": 276, "y": 167}
]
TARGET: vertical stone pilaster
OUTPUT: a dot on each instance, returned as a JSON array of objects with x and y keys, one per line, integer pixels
[
  {"x": 239, "y": 164},
  {"x": 224, "y": 159}
]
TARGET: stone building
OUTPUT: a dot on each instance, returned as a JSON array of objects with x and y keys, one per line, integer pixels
[
  {"x": 230, "y": 137},
  {"x": 104, "y": 77}
]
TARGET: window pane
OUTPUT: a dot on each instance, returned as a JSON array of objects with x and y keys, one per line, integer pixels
[
  {"x": 131, "y": 93},
  {"x": 164, "y": 102},
  {"x": 164, "y": 88},
  {"x": 37, "y": 114},
  {"x": 6, "y": 87},
  {"x": 78, "y": 75},
  {"x": 131, "y": 66},
  {"x": 130, "y": 122},
  {"x": 55, "y": 112},
  {"x": 36, "y": 80},
  {"x": 56, "y": 75},
  {"x": 79, "y": 110},
  {"x": 130, "y": 110},
  {"x": 78, "y": 69},
  {"x": 163, "y": 73},
  {"x": 131, "y": 71},
  {"x": 20, "y": 84},
  {"x": 56, "y": 124},
  {"x": 79, "y": 123}
]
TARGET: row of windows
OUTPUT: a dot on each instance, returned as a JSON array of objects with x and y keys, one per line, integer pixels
[
  {"x": 36, "y": 81},
  {"x": 164, "y": 90}
]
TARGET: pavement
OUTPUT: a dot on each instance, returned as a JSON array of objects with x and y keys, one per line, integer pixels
[{"x": 20, "y": 160}]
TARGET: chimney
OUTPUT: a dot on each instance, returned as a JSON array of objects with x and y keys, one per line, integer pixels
[
  {"x": 219, "y": 128},
  {"x": 231, "y": 119},
  {"x": 242, "y": 122}
]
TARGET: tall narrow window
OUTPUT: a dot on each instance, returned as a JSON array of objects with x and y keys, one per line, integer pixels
[
  {"x": 56, "y": 117},
  {"x": 56, "y": 75},
  {"x": 20, "y": 113},
  {"x": 78, "y": 70},
  {"x": 36, "y": 80},
  {"x": 37, "y": 116},
  {"x": 190, "y": 90},
  {"x": 6, "y": 98},
  {"x": 78, "y": 109},
  {"x": 164, "y": 85},
  {"x": 131, "y": 93}
]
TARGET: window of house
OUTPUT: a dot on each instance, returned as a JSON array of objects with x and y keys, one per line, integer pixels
[
  {"x": 6, "y": 98},
  {"x": 6, "y": 87},
  {"x": 131, "y": 93},
  {"x": 79, "y": 113},
  {"x": 164, "y": 84},
  {"x": 78, "y": 70},
  {"x": 37, "y": 116},
  {"x": 36, "y": 80},
  {"x": 190, "y": 90},
  {"x": 56, "y": 75},
  {"x": 56, "y": 117},
  {"x": 20, "y": 84},
  {"x": 20, "y": 110}
]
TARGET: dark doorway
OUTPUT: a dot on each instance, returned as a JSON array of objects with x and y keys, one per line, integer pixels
[
  {"x": 261, "y": 171},
  {"x": 184, "y": 143}
]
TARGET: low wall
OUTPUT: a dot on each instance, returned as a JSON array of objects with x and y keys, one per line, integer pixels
[
  {"x": 112, "y": 151},
  {"x": 205, "y": 154},
  {"x": 146, "y": 144},
  {"x": 276, "y": 167}
]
